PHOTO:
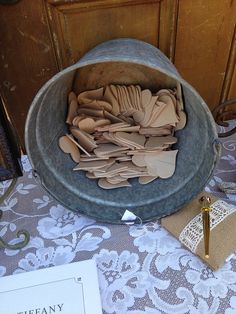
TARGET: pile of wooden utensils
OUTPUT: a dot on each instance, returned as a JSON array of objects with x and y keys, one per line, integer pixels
[{"x": 122, "y": 132}]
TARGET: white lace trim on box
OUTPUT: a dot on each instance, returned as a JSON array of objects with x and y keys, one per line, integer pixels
[{"x": 192, "y": 233}]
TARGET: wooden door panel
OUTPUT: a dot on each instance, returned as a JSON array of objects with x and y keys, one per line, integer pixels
[
  {"x": 168, "y": 27},
  {"x": 79, "y": 26},
  {"x": 37, "y": 38},
  {"x": 232, "y": 90},
  {"x": 229, "y": 87},
  {"x": 232, "y": 94},
  {"x": 205, "y": 31},
  {"x": 27, "y": 59}
]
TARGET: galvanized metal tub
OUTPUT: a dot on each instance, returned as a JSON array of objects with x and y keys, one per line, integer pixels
[{"x": 121, "y": 61}]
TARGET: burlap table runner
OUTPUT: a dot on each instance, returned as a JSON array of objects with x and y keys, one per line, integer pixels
[{"x": 186, "y": 225}]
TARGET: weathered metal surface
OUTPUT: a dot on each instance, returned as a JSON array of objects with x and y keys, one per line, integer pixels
[{"x": 197, "y": 142}]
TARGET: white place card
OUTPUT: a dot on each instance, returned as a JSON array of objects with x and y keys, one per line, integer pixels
[{"x": 66, "y": 289}]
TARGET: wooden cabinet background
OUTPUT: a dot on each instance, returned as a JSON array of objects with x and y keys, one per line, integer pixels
[{"x": 40, "y": 37}]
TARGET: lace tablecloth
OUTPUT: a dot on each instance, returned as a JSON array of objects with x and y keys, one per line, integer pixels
[{"x": 142, "y": 269}]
